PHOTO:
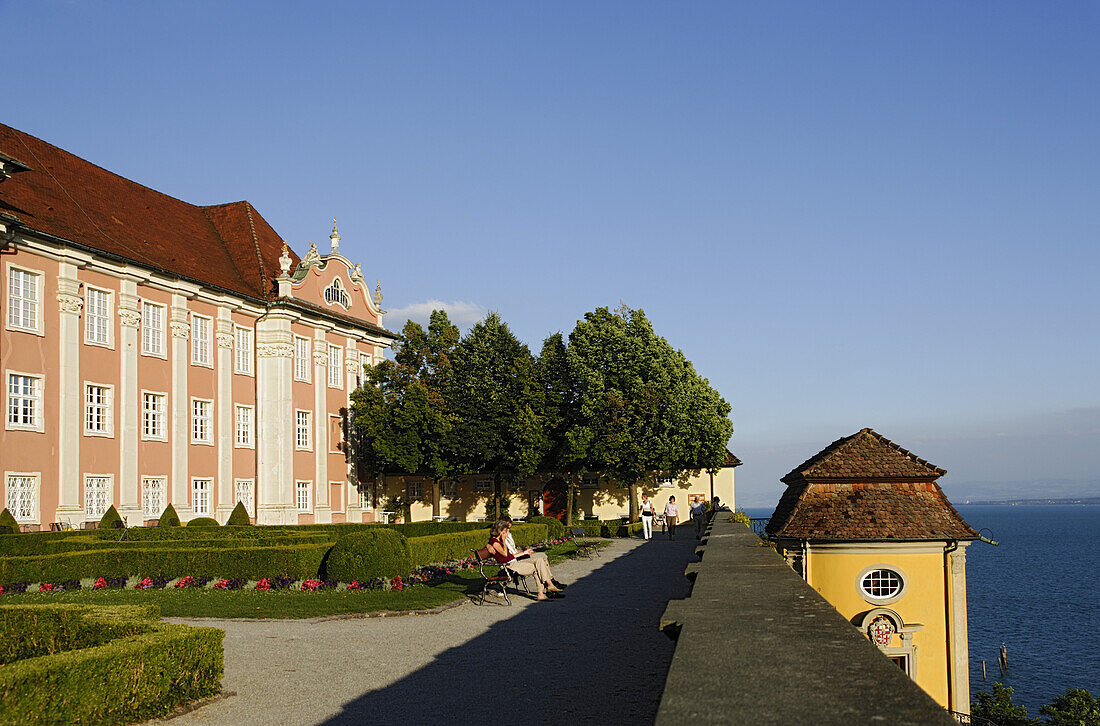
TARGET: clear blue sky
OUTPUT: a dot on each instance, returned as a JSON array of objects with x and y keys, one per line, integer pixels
[{"x": 847, "y": 214}]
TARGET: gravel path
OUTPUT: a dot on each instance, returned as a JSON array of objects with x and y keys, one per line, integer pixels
[{"x": 595, "y": 656}]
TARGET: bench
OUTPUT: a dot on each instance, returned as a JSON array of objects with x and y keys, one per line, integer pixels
[
  {"x": 584, "y": 546},
  {"x": 499, "y": 581}
]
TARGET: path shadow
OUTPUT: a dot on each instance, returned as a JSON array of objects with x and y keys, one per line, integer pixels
[{"x": 595, "y": 656}]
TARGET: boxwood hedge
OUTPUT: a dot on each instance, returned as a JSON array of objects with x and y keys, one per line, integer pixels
[
  {"x": 104, "y": 665},
  {"x": 457, "y": 546}
]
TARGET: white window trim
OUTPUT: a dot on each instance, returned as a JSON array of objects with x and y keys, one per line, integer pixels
[
  {"x": 39, "y": 425},
  {"x": 308, "y": 377},
  {"x": 110, "y": 495},
  {"x": 336, "y": 370},
  {"x": 252, "y": 487},
  {"x": 36, "y": 516},
  {"x": 210, "y": 338},
  {"x": 209, "y": 440},
  {"x": 333, "y": 442},
  {"x": 40, "y": 326},
  {"x": 882, "y": 600},
  {"x": 163, "y": 354},
  {"x": 110, "y": 343},
  {"x": 309, "y": 496},
  {"x": 205, "y": 512},
  {"x": 309, "y": 430},
  {"x": 163, "y": 495},
  {"x": 250, "y": 359},
  {"x": 415, "y": 490},
  {"x": 164, "y": 416},
  {"x": 110, "y": 432},
  {"x": 251, "y": 427}
]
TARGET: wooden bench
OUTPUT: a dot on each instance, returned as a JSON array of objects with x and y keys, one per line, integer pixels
[
  {"x": 499, "y": 581},
  {"x": 584, "y": 546}
]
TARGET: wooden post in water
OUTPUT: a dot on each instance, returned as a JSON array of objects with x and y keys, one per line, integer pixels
[
  {"x": 983, "y": 670},
  {"x": 1002, "y": 660}
]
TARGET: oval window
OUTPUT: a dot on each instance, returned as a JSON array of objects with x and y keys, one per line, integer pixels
[{"x": 881, "y": 584}]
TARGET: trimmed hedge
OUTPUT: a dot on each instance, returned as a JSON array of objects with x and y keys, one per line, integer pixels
[
  {"x": 554, "y": 527},
  {"x": 609, "y": 528},
  {"x": 203, "y": 522},
  {"x": 111, "y": 520},
  {"x": 294, "y": 561},
  {"x": 8, "y": 525},
  {"x": 29, "y": 542},
  {"x": 104, "y": 665},
  {"x": 238, "y": 517},
  {"x": 457, "y": 546},
  {"x": 90, "y": 542},
  {"x": 169, "y": 518},
  {"x": 364, "y": 555}
]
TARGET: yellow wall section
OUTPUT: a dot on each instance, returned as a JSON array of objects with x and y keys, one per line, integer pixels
[{"x": 835, "y": 576}]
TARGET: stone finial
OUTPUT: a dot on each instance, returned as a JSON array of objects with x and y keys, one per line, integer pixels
[
  {"x": 378, "y": 293},
  {"x": 335, "y": 237},
  {"x": 284, "y": 260}
]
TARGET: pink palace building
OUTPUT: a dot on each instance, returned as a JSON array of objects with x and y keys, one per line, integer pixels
[{"x": 156, "y": 352}]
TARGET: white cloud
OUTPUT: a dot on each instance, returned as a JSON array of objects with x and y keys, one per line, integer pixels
[{"x": 462, "y": 313}]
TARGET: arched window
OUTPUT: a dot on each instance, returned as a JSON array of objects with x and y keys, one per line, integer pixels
[
  {"x": 881, "y": 584},
  {"x": 335, "y": 293}
]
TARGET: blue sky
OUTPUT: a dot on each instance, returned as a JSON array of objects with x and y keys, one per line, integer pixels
[{"x": 846, "y": 214}]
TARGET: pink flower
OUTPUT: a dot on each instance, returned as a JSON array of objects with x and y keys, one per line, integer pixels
[
  {"x": 1, "y": 589},
  {"x": 354, "y": 585},
  {"x": 144, "y": 584},
  {"x": 263, "y": 584},
  {"x": 45, "y": 587},
  {"x": 183, "y": 581},
  {"x": 396, "y": 583},
  {"x": 310, "y": 585},
  {"x": 221, "y": 584},
  {"x": 99, "y": 583}
]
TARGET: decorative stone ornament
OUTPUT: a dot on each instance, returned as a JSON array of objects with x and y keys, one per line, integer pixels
[
  {"x": 69, "y": 303},
  {"x": 284, "y": 260},
  {"x": 335, "y": 237},
  {"x": 225, "y": 340},
  {"x": 320, "y": 358},
  {"x": 378, "y": 293},
  {"x": 180, "y": 330},
  {"x": 881, "y": 630},
  {"x": 129, "y": 318},
  {"x": 275, "y": 350},
  {"x": 312, "y": 257},
  {"x": 356, "y": 273}
]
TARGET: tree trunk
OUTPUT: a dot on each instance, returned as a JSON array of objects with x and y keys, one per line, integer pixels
[
  {"x": 436, "y": 506},
  {"x": 634, "y": 502},
  {"x": 496, "y": 495},
  {"x": 569, "y": 504}
]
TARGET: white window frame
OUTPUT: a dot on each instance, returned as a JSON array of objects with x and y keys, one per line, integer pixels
[
  {"x": 38, "y": 397},
  {"x": 249, "y": 441},
  {"x": 665, "y": 481},
  {"x": 203, "y": 485},
  {"x": 202, "y": 349},
  {"x": 153, "y": 331},
  {"x": 303, "y": 359},
  {"x": 483, "y": 485},
  {"x": 415, "y": 490},
  {"x": 91, "y": 316},
  {"x": 304, "y": 505},
  {"x": 244, "y": 348},
  {"x": 893, "y": 597},
  {"x": 248, "y": 485},
  {"x": 146, "y": 495},
  {"x": 107, "y": 493},
  {"x": 363, "y": 498},
  {"x": 19, "y": 325},
  {"x": 35, "y": 478},
  {"x": 335, "y": 366},
  {"x": 303, "y": 434},
  {"x": 107, "y": 410},
  {"x": 206, "y": 435},
  {"x": 162, "y": 416},
  {"x": 337, "y": 294}
]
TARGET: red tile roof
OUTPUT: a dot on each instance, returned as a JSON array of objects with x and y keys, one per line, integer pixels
[
  {"x": 865, "y": 487},
  {"x": 731, "y": 460},
  {"x": 229, "y": 246}
]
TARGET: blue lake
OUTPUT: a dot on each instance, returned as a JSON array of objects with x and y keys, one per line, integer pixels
[{"x": 1038, "y": 592}]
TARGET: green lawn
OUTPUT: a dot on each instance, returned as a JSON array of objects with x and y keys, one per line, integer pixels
[{"x": 289, "y": 604}]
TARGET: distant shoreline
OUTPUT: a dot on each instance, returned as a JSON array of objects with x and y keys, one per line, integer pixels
[{"x": 1092, "y": 501}]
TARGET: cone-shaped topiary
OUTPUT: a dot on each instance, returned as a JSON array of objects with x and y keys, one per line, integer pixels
[
  {"x": 239, "y": 516},
  {"x": 169, "y": 518},
  {"x": 203, "y": 522},
  {"x": 110, "y": 519},
  {"x": 363, "y": 555},
  {"x": 8, "y": 525}
]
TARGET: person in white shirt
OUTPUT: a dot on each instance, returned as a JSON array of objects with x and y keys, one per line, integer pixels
[
  {"x": 647, "y": 517},
  {"x": 527, "y": 553},
  {"x": 671, "y": 512},
  {"x": 698, "y": 516}
]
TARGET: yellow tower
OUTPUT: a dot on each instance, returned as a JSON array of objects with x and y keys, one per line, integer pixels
[{"x": 866, "y": 525}]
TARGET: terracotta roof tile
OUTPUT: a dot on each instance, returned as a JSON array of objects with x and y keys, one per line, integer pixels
[
  {"x": 864, "y": 454},
  {"x": 229, "y": 246}
]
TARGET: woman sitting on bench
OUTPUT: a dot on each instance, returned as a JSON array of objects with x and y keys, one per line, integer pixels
[{"x": 538, "y": 567}]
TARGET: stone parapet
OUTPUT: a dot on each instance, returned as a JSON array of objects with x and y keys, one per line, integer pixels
[{"x": 756, "y": 644}]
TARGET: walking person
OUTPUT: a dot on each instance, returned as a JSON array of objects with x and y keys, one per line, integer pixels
[
  {"x": 671, "y": 512},
  {"x": 647, "y": 518},
  {"x": 698, "y": 516}
]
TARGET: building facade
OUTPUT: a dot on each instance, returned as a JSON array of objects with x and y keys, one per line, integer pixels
[
  {"x": 866, "y": 525},
  {"x": 156, "y": 352}
]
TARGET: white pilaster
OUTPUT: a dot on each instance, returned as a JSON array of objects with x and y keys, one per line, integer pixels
[
  {"x": 275, "y": 421},
  {"x": 180, "y": 432},
  {"x": 320, "y": 417},
  {"x": 226, "y": 498},
  {"x": 959, "y": 667},
  {"x": 69, "y": 403},
  {"x": 129, "y": 407}
]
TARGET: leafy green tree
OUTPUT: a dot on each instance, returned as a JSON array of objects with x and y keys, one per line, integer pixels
[
  {"x": 1075, "y": 707},
  {"x": 560, "y": 411},
  {"x": 640, "y": 405},
  {"x": 497, "y": 400},
  {"x": 999, "y": 708}
]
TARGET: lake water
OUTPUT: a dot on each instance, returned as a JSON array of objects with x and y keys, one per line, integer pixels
[{"x": 1038, "y": 592}]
